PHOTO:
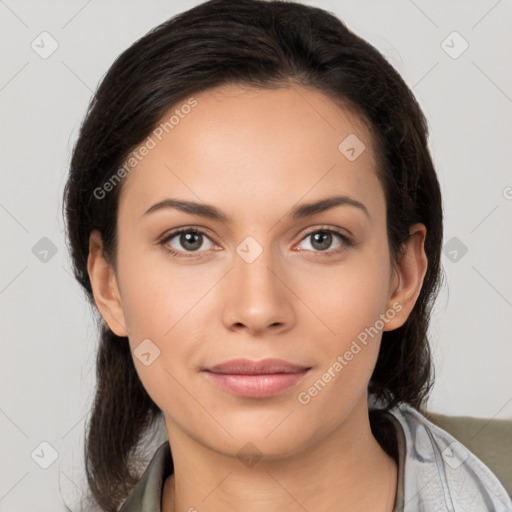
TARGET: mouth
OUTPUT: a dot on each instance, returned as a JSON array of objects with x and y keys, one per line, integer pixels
[{"x": 256, "y": 379}]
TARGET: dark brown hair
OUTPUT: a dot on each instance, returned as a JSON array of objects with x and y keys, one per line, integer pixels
[{"x": 266, "y": 44}]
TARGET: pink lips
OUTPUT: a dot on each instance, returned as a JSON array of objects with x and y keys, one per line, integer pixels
[{"x": 256, "y": 379}]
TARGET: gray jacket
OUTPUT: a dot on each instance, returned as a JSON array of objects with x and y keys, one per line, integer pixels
[{"x": 436, "y": 473}]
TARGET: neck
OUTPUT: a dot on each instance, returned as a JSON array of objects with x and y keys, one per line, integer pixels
[{"x": 344, "y": 470}]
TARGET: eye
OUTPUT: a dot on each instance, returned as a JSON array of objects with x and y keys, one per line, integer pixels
[
  {"x": 321, "y": 239},
  {"x": 185, "y": 240}
]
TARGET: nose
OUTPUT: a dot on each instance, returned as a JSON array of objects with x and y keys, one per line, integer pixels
[{"x": 258, "y": 297}]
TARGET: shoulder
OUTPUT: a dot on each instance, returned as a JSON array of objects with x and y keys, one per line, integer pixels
[{"x": 440, "y": 473}]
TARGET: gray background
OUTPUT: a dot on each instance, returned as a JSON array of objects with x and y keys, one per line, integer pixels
[{"x": 48, "y": 335}]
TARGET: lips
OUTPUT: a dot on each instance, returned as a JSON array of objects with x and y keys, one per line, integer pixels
[
  {"x": 248, "y": 367},
  {"x": 256, "y": 379}
]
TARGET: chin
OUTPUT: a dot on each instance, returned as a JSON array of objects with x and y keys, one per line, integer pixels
[{"x": 271, "y": 437}]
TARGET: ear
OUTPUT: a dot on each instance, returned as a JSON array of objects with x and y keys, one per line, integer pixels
[
  {"x": 409, "y": 272},
  {"x": 104, "y": 286}
]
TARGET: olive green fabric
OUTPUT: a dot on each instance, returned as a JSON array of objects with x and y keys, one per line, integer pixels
[{"x": 489, "y": 439}]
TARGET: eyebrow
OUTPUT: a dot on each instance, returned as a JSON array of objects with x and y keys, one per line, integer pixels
[{"x": 212, "y": 212}]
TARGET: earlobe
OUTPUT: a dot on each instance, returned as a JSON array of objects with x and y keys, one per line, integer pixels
[
  {"x": 104, "y": 286},
  {"x": 410, "y": 270}
]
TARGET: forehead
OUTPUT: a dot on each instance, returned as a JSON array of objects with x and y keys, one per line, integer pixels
[{"x": 245, "y": 147}]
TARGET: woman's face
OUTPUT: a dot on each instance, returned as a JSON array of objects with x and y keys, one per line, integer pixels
[{"x": 272, "y": 278}]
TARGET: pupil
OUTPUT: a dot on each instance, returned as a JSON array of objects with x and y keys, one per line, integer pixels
[
  {"x": 322, "y": 237},
  {"x": 186, "y": 239}
]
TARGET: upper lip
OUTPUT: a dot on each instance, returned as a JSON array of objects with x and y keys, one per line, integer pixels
[{"x": 248, "y": 367}]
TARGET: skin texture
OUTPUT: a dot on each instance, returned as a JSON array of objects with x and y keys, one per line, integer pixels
[{"x": 256, "y": 155}]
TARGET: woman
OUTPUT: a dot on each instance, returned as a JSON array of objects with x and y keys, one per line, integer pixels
[{"x": 253, "y": 210}]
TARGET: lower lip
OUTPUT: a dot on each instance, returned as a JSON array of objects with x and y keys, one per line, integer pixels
[{"x": 256, "y": 386}]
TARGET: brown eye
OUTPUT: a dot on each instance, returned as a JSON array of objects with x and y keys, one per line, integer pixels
[
  {"x": 321, "y": 241},
  {"x": 185, "y": 240},
  {"x": 191, "y": 241}
]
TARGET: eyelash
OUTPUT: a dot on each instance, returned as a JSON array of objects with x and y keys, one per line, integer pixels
[{"x": 347, "y": 242}]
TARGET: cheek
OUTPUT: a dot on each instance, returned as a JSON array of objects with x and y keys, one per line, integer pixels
[
  {"x": 164, "y": 303},
  {"x": 347, "y": 355},
  {"x": 349, "y": 301},
  {"x": 349, "y": 296},
  {"x": 158, "y": 304},
  {"x": 156, "y": 293}
]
